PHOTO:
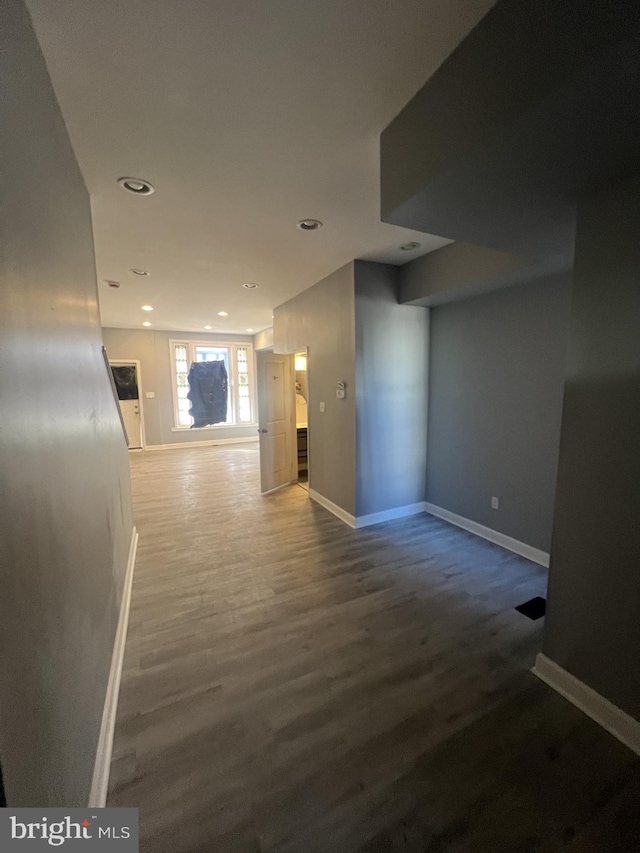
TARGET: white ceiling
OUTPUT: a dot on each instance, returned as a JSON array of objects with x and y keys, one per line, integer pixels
[{"x": 247, "y": 116}]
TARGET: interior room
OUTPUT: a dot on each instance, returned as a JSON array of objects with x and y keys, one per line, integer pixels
[
  {"x": 302, "y": 417},
  {"x": 321, "y": 347}
]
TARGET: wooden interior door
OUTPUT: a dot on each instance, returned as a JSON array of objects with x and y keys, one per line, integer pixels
[{"x": 276, "y": 420}]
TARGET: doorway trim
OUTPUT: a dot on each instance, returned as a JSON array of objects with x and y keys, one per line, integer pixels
[{"x": 120, "y": 362}]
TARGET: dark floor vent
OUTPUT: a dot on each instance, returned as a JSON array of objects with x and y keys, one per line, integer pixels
[{"x": 534, "y": 609}]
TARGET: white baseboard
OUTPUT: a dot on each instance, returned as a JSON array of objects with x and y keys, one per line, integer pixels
[
  {"x": 100, "y": 779},
  {"x": 618, "y": 723},
  {"x": 210, "y": 443},
  {"x": 521, "y": 548},
  {"x": 366, "y": 520},
  {"x": 390, "y": 514},
  {"x": 342, "y": 514}
]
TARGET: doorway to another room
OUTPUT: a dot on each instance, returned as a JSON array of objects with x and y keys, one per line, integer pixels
[
  {"x": 302, "y": 425},
  {"x": 282, "y": 381}
]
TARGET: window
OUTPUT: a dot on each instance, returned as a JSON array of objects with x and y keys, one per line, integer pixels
[{"x": 238, "y": 360}]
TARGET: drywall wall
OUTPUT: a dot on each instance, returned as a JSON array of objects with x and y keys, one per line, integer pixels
[
  {"x": 592, "y": 626},
  {"x": 492, "y": 149},
  {"x": 322, "y": 319},
  {"x": 152, "y": 349},
  {"x": 392, "y": 343},
  {"x": 495, "y": 403},
  {"x": 457, "y": 271},
  {"x": 66, "y": 509},
  {"x": 263, "y": 339}
]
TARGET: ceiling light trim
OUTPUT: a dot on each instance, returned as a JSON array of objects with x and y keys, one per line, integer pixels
[{"x": 136, "y": 186}]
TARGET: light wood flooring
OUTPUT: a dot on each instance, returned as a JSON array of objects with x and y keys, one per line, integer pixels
[{"x": 295, "y": 686}]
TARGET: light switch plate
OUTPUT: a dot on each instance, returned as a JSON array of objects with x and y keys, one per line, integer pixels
[
  {"x": 150, "y": 395},
  {"x": 322, "y": 407}
]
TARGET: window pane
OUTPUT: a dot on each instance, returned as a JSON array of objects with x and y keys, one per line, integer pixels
[
  {"x": 244, "y": 402},
  {"x": 216, "y": 353},
  {"x": 213, "y": 354},
  {"x": 236, "y": 360},
  {"x": 182, "y": 385}
]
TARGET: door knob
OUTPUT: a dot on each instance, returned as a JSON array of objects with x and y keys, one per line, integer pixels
[{"x": 264, "y": 430}]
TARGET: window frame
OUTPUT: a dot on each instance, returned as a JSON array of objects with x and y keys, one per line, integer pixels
[{"x": 234, "y": 395}]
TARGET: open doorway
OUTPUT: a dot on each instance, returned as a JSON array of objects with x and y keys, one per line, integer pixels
[
  {"x": 283, "y": 392},
  {"x": 302, "y": 422}
]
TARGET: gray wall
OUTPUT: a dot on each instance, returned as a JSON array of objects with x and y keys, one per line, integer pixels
[
  {"x": 66, "y": 510},
  {"x": 322, "y": 319},
  {"x": 151, "y": 349},
  {"x": 392, "y": 343},
  {"x": 593, "y": 621},
  {"x": 263, "y": 339},
  {"x": 495, "y": 401},
  {"x": 457, "y": 271}
]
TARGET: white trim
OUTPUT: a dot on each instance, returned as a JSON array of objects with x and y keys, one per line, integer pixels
[
  {"x": 390, "y": 514},
  {"x": 521, "y": 548},
  {"x": 231, "y": 344},
  {"x": 367, "y": 520},
  {"x": 616, "y": 721},
  {"x": 102, "y": 766},
  {"x": 212, "y": 443},
  {"x": 214, "y": 427},
  {"x": 136, "y": 361},
  {"x": 340, "y": 513}
]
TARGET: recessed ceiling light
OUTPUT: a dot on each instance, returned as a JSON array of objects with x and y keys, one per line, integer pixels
[
  {"x": 147, "y": 307},
  {"x": 408, "y": 247},
  {"x": 137, "y": 186},
  {"x": 249, "y": 330},
  {"x": 250, "y": 285},
  {"x": 146, "y": 323},
  {"x": 113, "y": 283},
  {"x": 222, "y": 314},
  {"x": 309, "y": 224},
  {"x": 208, "y": 327},
  {"x": 136, "y": 271}
]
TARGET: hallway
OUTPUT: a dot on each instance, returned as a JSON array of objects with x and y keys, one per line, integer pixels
[{"x": 292, "y": 685}]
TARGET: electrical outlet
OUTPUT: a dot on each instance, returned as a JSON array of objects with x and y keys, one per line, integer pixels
[
  {"x": 150, "y": 395},
  {"x": 495, "y": 503},
  {"x": 322, "y": 407}
]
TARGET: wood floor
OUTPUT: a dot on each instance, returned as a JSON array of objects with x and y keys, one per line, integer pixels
[{"x": 295, "y": 686}]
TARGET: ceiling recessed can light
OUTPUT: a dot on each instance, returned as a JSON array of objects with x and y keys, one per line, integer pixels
[
  {"x": 137, "y": 186},
  {"x": 113, "y": 283},
  {"x": 137, "y": 271},
  {"x": 208, "y": 327},
  {"x": 309, "y": 224},
  {"x": 147, "y": 307},
  {"x": 250, "y": 285},
  {"x": 408, "y": 247},
  {"x": 222, "y": 314},
  {"x": 249, "y": 330},
  {"x": 146, "y": 323}
]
